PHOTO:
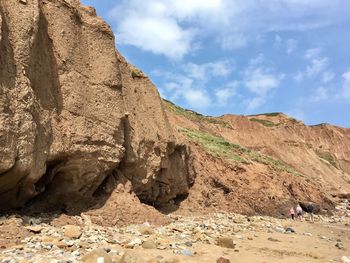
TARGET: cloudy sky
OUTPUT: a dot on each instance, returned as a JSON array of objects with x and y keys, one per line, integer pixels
[{"x": 241, "y": 56}]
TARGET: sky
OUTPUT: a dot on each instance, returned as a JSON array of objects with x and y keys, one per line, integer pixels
[{"x": 240, "y": 56}]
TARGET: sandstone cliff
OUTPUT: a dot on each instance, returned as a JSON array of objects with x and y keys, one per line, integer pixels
[{"x": 73, "y": 116}]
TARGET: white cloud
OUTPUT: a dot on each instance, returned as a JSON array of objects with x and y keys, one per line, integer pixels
[
  {"x": 257, "y": 60},
  {"x": 224, "y": 95},
  {"x": 156, "y": 34},
  {"x": 197, "y": 98},
  {"x": 203, "y": 72},
  {"x": 312, "y": 53},
  {"x": 291, "y": 45},
  {"x": 317, "y": 66},
  {"x": 189, "y": 84},
  {"x": 234, "y": 41},
  {"x": 299, "y": 76},
  {"x": 345, "y": 92},
  {"x": 278, "y": 40},
  {"x": 321, "y": 94},
  {"x": 260, "y": 81},
  {"x": 328, "y": 76},
  {"x": 255, "y": 103},
  {"x": 173, "y": 28}
]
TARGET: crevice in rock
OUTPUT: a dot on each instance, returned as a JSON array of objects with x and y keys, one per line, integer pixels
[
  {"x": 42, "y": 69},
  {"x": 7, "y": 64},
  {"x": 217, "y": 183}
]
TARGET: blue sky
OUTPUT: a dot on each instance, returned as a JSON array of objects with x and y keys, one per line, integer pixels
[{"x": 241, "y": 56}]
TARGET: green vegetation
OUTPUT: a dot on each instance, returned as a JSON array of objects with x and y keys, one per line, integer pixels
[
  {"x": 320, "y": 124},
  {"x": 266, "y": 123},
  {"x": 328, "y": 157},
  {"x": 136, "y": 73},
  {"x": 192, "y": 115},
  {"x": 271, "y": 114},
  {"x": 233, "y": 152}
]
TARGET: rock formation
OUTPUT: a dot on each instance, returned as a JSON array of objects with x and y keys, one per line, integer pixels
[{"x": 73, "y": 114}]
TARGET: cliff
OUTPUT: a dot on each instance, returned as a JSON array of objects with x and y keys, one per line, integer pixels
[{"x": 74, "y": 116}]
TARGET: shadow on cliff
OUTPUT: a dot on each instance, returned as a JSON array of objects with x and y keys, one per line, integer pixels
[
  {"x": 104, "y": 199},
  {"x": 43, "y": 69}
]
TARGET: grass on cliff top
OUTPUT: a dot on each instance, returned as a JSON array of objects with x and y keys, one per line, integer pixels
[
  {"x": 271, "y": 114},
  {"x": 136, "y": 73},
  {"x": 234, "y": 152},
  {"x": 328, "y": 157},
  {"x": 192, "y": 115},
  {"x": 266, "y": 123}
]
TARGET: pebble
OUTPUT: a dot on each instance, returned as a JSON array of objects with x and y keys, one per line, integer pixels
[
  {"x": 345, "y": 259},
  {"x": 222, "y": 260},
  {"x": 186, "y": 252},
  {"x": 71, "y": 231},
  {"x": 273, "y": 239},
  {"x": 339, "y": 245},
  {"x": 226, "y": 242},
  {"x": 178, "y": 237},
  {"x": 35, "y": 229}
]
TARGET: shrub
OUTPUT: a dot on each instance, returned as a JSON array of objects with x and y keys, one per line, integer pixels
[
  {"x": 234, "y": 152},
  {"x": 266, "y": 123}
]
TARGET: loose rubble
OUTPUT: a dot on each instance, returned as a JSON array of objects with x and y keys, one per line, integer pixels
[{"x": 90, "y": 243}]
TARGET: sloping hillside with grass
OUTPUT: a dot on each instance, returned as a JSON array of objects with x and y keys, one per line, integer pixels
[{"x": 270, "y": 156}]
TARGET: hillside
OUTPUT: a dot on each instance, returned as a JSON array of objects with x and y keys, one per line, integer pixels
[{"x": 263, "y": 163}]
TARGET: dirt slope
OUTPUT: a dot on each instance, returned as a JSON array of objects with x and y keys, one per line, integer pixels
[{"x": 262, "y": 164}]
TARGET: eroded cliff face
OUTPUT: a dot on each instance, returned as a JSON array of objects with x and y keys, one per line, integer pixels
[
  {"x": 72, "y": 114},
  {"x": 263, "y": 164}
]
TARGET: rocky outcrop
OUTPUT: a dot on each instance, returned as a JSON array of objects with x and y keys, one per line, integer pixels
[{"x": 72, "y": 113}]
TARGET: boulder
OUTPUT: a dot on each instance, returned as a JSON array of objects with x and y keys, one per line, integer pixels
[{"x": 97, "y": 256}]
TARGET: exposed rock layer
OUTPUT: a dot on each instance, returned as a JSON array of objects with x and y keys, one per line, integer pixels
[
  {"x": 72, "y": 114},
  {"x": 318, "y": 155}
]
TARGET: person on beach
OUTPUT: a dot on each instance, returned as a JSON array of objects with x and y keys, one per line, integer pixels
[
  {"x": 310, "y": 209},
  {"x": 292, "y": 213},
  {"x": 300, "y": 213}
]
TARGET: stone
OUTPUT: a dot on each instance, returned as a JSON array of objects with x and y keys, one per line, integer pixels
[
  {"x": 279, "y": 229},
  {"x": 345, "y": 259},
  {"x": 35, "y": 229},
  {"x": 340, "y": 245},
  {"x": 72, "y": 231},
  {"x": 149, "y": 244},
  {"x": 145, "y": 230},
  {"x": 130, "y": 257},
  {"x": 186, "y": 252},
  {"x": 273, "y": 239},
  {"x": 226, "y": 242},
  {"x": 188, "y": 244},
  {"x": 133, "y": 243},
  {"x": 95, "y": 255},
  {"x": 290, "y": 230},
  {"x": 222, "y": 260}
]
